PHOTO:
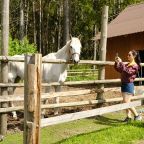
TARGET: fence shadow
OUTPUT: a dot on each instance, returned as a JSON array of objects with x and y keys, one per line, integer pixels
[
  {"x": 107, "y": 121},
  {"x": 112, "y": 122}
]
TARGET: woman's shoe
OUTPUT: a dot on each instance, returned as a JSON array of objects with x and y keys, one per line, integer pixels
[
  {"x": 138, "y": 118},
  {"x": 127, "y": 119}
]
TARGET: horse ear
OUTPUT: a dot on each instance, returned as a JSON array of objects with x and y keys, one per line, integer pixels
[{"x": 80, "y": 36}]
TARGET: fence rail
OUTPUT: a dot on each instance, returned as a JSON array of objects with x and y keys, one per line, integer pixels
[
  {"x": 59, "y": 61},
  {"x": 107, "y": 81},
  {"x": 85, "y": 114},
  {"x": 72, "y": 104},
  {"x": 16, "y": 98}
]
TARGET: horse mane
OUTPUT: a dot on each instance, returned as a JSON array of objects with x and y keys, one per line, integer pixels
[{"x": 63, "y": 50}]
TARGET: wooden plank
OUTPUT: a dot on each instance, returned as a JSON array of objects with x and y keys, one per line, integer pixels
[
  {"x": 38, "y": 63},
  {"x": 70, "y": 104},
  {"x": 88, "y": 113},
  {"x": 4, "y": 65},
  {"x": 8, "y": 98},
  {"x": 89, "y": 102},
  {"x": 10, "y": 58},
  {"x": 119, "y": 99},
  {"x": 10, "y": 109},
  {"x": 103, "y": 44},
  {"x": 107, "y": 81},
  {"x": 25, "y": 134},
  {"x": 32, "y": 101},
  {"x": 11, "y": 85},
  {"x": 32, "y": 89},
  {"x": 92, "y": 62}
]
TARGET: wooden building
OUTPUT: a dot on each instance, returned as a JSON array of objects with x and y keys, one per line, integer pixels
[{"x": 125, "y": 33}]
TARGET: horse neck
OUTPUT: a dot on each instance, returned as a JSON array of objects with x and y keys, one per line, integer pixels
[{"x": 63, "y": 53}]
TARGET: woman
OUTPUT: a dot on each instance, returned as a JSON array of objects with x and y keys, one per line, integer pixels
[{"x": 128, "y": 74}]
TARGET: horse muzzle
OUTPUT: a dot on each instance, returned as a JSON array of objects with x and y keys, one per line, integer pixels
[
  {"x": 75, "y": 58},
  {"x": 76, "y": 61}
]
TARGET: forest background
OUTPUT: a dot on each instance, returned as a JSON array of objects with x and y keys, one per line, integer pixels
[{"x": 45, "y": 25}]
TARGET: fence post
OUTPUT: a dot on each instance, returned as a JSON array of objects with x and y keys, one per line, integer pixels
[
  {"x": 103, "y": 43},
  {"x": 4, "y": 65},
  {"x": 32, "y": 99}
]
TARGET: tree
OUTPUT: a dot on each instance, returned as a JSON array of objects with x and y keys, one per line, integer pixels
[
  {"x": 59, "y": 18},
  {"x": 21, "y": 20},
  {"x": 34, "y": 23},
  {"x": 66, "y": 22}
]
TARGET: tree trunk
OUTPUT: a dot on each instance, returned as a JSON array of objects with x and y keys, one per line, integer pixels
[
  {"x": 42, "y": 34},
  {"x": 27, "y": 17},
  {"x": 47, "y": 34},
  {"x": 34, "y": 23},
  {"x": 66, "y": 22},
  {"x": 59, "y": 24},
  {"x": 95, "y": 46},
  {"x": 21, "y": 21}
]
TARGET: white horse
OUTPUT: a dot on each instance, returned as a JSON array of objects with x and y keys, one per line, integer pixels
[{"x": 51, "y": 72}]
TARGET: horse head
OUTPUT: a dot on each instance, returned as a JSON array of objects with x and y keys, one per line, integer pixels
[{"x": 75, "y": 49}]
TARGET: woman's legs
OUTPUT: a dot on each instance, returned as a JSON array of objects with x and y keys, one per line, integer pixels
[{"x": 126, "y": 99}]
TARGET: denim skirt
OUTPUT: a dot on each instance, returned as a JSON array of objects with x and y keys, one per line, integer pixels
[{"x": 128, "y": 88}]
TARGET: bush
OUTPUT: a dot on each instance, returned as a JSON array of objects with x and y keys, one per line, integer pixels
[{"x": 17, "y": 47}]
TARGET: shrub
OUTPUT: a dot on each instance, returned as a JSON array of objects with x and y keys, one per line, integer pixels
[{"x": 17, "y": 47}]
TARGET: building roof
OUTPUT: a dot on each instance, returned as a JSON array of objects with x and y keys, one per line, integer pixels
[{"x": 129, "y": 21}]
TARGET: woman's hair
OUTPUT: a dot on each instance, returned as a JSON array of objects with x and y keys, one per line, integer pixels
[{"x": 137, "y": 57}]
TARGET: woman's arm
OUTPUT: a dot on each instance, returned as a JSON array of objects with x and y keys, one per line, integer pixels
[
  {"x": 128, "y": 70},
  {"x": 117, "y": 64},
  {"x": 118, "y": 67}
]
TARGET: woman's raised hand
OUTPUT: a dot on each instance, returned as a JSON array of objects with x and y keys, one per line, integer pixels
[{"x": 118, "y": 59}]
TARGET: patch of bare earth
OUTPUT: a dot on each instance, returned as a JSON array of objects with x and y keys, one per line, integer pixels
[
  {"x": 139, "y": 142},
  {"x": 17, "y": 125}
]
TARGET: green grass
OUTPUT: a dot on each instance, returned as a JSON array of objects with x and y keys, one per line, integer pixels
[
  {"x": 55, "y": 133},
  {"x": 82, "y": 78},
  {"x": 124, "y": 134},
  {"x": 13, "y": 139},
  {"x": 106, "y": 129}
]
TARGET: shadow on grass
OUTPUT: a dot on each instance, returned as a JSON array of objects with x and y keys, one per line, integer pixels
[
  {"x": 116, "y": 122},
  {"x": 139, "y": 124},
  {"x": 83, "y": 134},
  {"x": 107, "y": 121},
  {"x": 99, "y": 120}
]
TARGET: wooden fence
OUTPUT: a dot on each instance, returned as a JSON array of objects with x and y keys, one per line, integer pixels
[{"x": 33, "y": 121}]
